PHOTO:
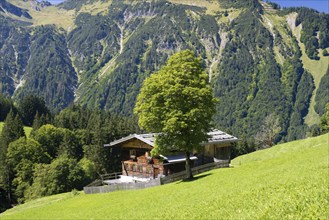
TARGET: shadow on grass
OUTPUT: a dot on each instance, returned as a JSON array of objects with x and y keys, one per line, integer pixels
[{"x": 195, "y": 178}]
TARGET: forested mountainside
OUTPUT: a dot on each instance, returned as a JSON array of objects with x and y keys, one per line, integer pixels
[{"x": 261, "y": 61}]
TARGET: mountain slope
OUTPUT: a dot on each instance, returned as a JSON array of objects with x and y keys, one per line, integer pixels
[
  {"x": 8, "y": 8},
  {"x": 286, "y": 181},
  {"x": 98, "y": 53}
]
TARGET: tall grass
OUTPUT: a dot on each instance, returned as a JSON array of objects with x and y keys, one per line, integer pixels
[{"x": 288, "y": 181}]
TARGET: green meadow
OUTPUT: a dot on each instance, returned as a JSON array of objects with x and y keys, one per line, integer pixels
[{"x": 287, "y": 181}]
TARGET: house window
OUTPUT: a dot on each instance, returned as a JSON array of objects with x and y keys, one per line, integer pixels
[
  {"x": 132, "y": 154},
  {"x": 222, "y": 153},
  {"x": 133, "y": 167}
]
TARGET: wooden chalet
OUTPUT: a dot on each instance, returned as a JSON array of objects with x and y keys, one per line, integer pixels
[{"x": 137, "y": 160}]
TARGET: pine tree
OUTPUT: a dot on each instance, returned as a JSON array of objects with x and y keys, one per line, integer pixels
[
  {"x": 29, "y": 106},
  {"x": 324, "y": 124},
  {"x": 12, "y": 130},
  {"x": 96, "y": 152},
  {"x": 36, "y": 122}
]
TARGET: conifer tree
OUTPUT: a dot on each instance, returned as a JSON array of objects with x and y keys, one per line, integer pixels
[
  {"x": 5, "y": 106},
  {"x": 95, "y": 151},
  {"x": 324, "y": 124},
  {"x": 29, "y": 106},
  {"x": 37, "y": 123},
  {"x": 12, "y": 130}
]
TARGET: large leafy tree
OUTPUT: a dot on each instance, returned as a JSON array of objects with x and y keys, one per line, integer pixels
[
  {"x": 62, "y": 175},
  {"x": 22, "y": 157},
  {"x": 178, "y": 103},
  {"x": 58, "y": 141}
]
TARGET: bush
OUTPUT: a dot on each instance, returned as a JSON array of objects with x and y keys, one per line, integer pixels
[
  {"x": 62, "y": 175},
  {"x": 89, "y": 169}
]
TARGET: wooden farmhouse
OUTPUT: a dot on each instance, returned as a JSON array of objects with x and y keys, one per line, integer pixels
[{"x": 137, "y": 160}]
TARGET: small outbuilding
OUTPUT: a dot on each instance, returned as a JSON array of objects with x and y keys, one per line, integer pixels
[{"x": 137, "y": 160}]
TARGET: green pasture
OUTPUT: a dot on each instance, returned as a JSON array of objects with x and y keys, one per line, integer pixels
[{"x": 288, "y": 181}]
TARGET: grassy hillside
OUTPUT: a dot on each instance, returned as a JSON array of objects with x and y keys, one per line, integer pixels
[
  {"x": 288, "y": 181},
  {"x": 26, "y": 129},
  {"x": 318, "y": 69}
]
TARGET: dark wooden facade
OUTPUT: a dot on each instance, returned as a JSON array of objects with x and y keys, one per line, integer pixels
[
  {"x": 144, "y": 166},
  {"x": 137, "y": 160}
]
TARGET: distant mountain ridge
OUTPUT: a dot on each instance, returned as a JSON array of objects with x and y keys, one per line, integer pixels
[
  {"x": 97, "y": 53},
  {"x": 6, "y": 7}
]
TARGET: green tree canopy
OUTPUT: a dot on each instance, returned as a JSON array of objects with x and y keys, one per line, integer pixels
[
  {"x": 30, "y": 106},
  {"x": 178, "y": 102},
  {"x": 22, "y": 156},
  {"x": 5, "y": 106},
  {"x": 62, "y": 175},
  {"x": 324, "y": 124},
  {"x": 58, "y": 141},
  {"x": 26, "y": 148},
  {"x": 12, "y": 130}
]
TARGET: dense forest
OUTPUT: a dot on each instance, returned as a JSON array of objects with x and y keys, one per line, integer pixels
[{"x": 63, "y": 151}]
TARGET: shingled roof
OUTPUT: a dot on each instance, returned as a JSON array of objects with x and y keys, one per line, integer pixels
[{"x": 216, "y": 136}]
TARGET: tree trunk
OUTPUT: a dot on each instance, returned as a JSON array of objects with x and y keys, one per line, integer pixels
[
  {"x": 189, "y": 174},
  {"x": 9, "y": 192}
]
